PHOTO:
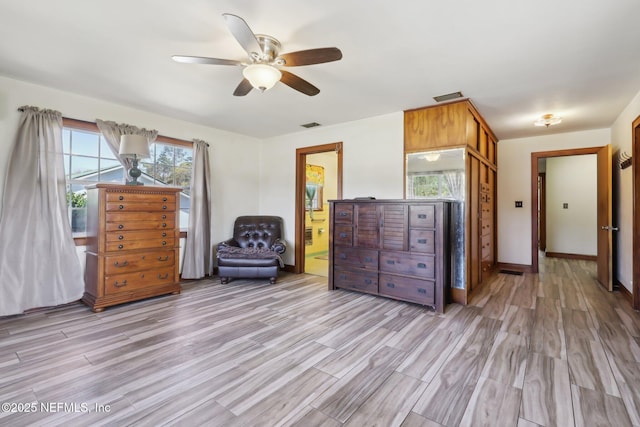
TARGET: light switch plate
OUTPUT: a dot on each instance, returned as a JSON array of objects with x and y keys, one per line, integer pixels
[{"x": 518, "y": 203}]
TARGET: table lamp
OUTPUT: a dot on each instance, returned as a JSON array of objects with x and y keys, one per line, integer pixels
[{"x": 134, "y": 147}]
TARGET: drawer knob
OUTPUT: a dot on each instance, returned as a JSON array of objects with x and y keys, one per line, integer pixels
[
  {"x": 390, "y": 262},
  {"x": 120, "y": 246},
  {"x": 164, "y": 199},
  {"x": 164, "y": 224},
  {"x": 164, "y": 217},
  {"x": 164, "y": 243},
  {"x": 391, "y": 285},
  {"x": 367, "y": 281},
  {"x": 342, "y": 214},
  {"x": 343, "y": 235},
  {"x": 121, "y": 198},
  {"x": 120, "y": 237},
  {"x": 343, "y": 256},
  {"x": 422, "y": 265},
  {"x": 164, "y": 234},
  {"x": 343, "y": 276},
  {"x": 163, "y": 258},
  {"x": 120, "y": 226},
  {"x": 422, "y": 241},
  {"x": 422, "y": 216},
  {"x": 120, "y": 284},
  {"x": 121, "y": 264},
  {"x": 422, "y": 291},
  {"x": 121, "y": 207},
  {"x": 166, "y": 275},
  {"x": 368, "y": 259},
  {"x": 164, "y": 207}
]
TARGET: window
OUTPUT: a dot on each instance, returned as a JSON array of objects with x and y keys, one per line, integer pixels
[
  {"x": 430, "y": 185},
  {"x": 88, "y": 159}
]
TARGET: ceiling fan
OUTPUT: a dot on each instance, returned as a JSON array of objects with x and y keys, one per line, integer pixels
[{"x": 263, "y": 70}]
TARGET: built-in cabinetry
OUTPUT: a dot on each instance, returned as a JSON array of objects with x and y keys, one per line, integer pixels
[
  {"x": 460, "y": 125},
  {"x": 132, "y": 243},
  {"x": 393, "y": 248}
]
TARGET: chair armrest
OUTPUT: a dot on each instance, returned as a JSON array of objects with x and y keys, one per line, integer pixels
[
  {"x": 228, "y": 242},
  {"x": 279, "y": 246}
]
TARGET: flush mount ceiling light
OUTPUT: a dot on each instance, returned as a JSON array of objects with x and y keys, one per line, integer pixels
[
  {"x": 548, "y": 120},
  {"x": 432, "y": 157},
  {"x": 262, "y": 76}
]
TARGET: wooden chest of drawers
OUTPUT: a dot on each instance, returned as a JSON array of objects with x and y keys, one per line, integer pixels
[
  {"x": 393, "y": 248},
  {"x": 133, "y": 240}
]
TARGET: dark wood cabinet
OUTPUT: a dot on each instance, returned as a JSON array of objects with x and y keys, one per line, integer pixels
[
  {"x": 393, "y": 248},
  {"x": 132, "y": 243}
]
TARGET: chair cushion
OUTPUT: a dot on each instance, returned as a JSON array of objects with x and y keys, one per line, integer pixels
[{"x": 253, "y": 257}]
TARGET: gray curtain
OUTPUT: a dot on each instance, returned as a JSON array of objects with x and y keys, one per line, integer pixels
[
  {"x": 198, "y": 253},
  {"x": 455, "y": 182},
  {"x": 112, "y": 132},
  {"x": 39, "y": 266}
]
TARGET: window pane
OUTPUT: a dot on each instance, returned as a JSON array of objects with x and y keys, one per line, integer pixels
[
  {"x": 105, "y": 150},
  {"x": 66, "y": 141},
  {"x": 111, "y": 171},
  {"x": 67, "y": 160},
  {"x": 183, "y": 169},
  {"x": 84, "y": 143},
  {"x": 164, "y": 164},
  {"x": 147, "y": 169},
  {"x": 85, "y": 168}
]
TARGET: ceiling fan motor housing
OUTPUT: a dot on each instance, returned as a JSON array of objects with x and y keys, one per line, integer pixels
[{"x": 270, "y": 48}]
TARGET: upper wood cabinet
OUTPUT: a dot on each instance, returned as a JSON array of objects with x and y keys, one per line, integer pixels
[{"x": 456, "y": 124}]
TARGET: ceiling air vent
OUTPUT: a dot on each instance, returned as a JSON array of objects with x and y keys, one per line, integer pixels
[
  {"x": 448, "y": 97},
  {"x": 310, "y": 125}
]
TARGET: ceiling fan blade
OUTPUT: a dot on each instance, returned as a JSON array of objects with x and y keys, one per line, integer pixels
[
  {"x": 312, "y": 56},
  {"x": 241, "y": 31},
  {"x": 298, "y": 83},
  {"x": 243, "y": 88},
  {"x": 204, "y": 60}
]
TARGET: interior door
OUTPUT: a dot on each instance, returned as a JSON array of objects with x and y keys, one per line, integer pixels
[{"x": 605, "y": 228}]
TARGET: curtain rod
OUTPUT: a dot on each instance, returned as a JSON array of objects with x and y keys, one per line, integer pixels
[{"x": 168, "y": 138}]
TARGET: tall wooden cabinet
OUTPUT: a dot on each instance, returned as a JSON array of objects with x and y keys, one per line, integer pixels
[
  {"x": 392, "y": 248},
  {"x": 460, "y": 125},
  {"x": 133, "y": 238}
]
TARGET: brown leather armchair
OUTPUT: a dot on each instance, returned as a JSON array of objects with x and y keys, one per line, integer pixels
[{"x": 254, "y": 250}]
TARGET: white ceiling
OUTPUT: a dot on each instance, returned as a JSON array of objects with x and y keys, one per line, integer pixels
[{"x": 515, "y": 60}]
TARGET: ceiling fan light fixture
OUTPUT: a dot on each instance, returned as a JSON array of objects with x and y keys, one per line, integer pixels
[
  {"x": 262, "y": 76},
  {"x": 548, "y": 120}
]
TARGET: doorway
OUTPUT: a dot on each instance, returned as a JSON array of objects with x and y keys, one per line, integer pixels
[
  {"x": 603, "y": 229},
  {"x": 318, "y": 179}
]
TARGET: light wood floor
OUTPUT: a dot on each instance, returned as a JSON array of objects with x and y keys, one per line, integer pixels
[{"x": 551, "y": 349}]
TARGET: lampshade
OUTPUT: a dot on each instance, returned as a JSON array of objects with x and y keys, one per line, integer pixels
[
  {"x": 262, "y": 76},
  {"x": 548, "y": 120},
  {"x": 134, "y": 146}
]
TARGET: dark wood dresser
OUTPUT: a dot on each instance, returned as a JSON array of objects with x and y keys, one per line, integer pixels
[
  {"x": 394, "y": 248},
  {"x": 133, "y": 239}
]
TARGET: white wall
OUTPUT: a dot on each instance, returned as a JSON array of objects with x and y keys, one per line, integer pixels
[
  {"x": 572, "y": 180},
  {"x": 373, "y": 160},
  {"x": 514, "y": 183},
  {"x": 234, "y": 169},
  {"x": 621, "y": 141}
]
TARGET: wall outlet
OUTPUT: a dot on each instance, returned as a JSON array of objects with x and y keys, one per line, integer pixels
[
  {"x": 518, "y": 203},
  {"x": 565, "y": 206}
]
